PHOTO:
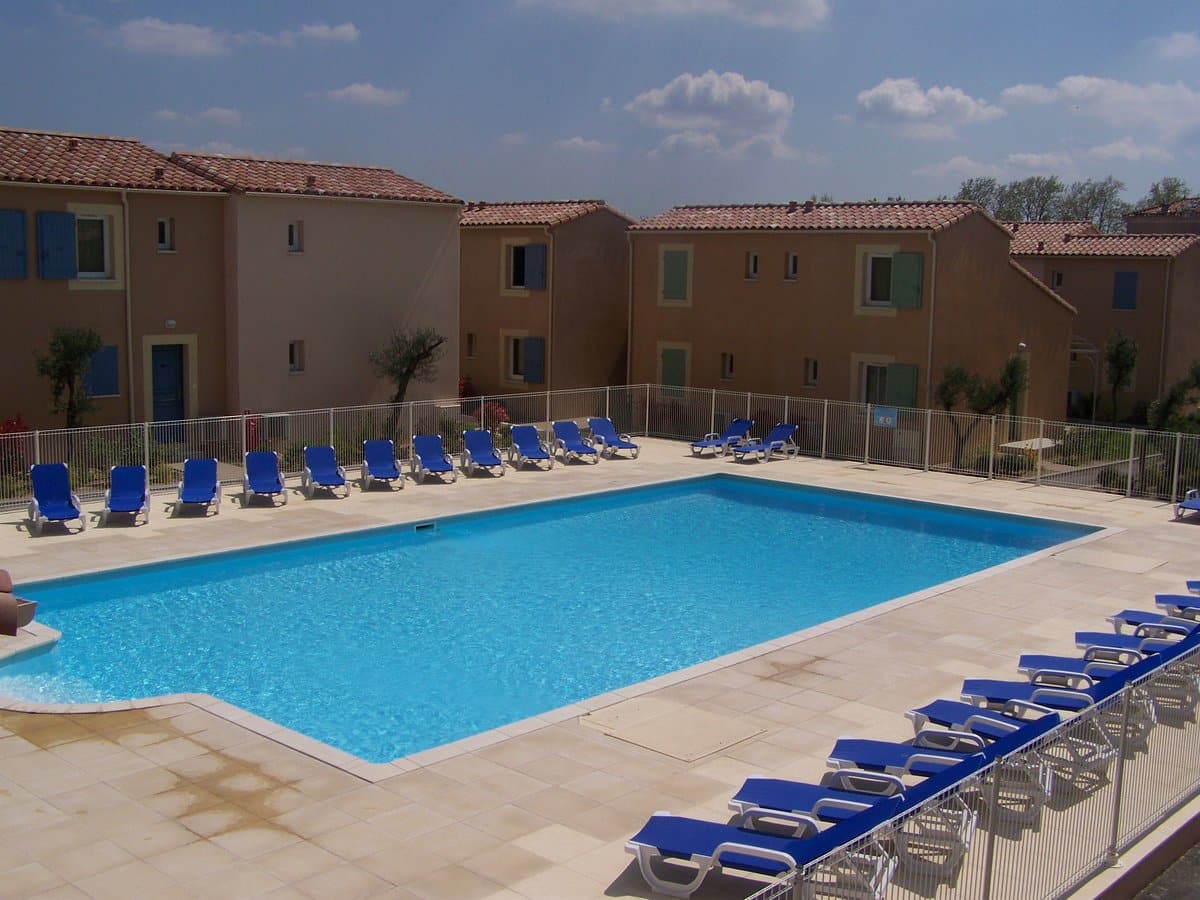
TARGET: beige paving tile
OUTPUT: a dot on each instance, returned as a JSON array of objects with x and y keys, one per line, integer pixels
[
  {"x": 192, "y": 860},
  {"x": 506, "y": 865},
  {"x": 346, "y": 882},
  {"x": 132, "y": 879},
  {"x": 453, "y": 881},
  {"x": 90, "y": 859}
]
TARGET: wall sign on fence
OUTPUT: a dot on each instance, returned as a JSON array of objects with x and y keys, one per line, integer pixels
[{"x": 884, "y": 416}]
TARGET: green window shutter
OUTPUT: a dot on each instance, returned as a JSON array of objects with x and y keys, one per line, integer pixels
[
  {"x": 675, "y": 275},
  {"x": 901, "y": 385},
  {"x": 674, "y": 366},
  {"x": 908, "y": 275}
]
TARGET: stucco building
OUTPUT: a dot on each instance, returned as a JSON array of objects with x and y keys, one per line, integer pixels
[
  {"x": 1180, "y": 217},
  {"x": 105, "y": 233},
  {"x": 1146, "y": 286},
  {"x": 857, "y": 301},
  {"x": 544, "y": 292}
]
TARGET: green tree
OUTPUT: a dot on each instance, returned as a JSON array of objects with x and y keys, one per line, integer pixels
[
  {"x": 1032, "y": 199},
  {"x": 1095, "y": 201},
  {"x": 1166, "y": 190},
  {"x": 411, "y": 354},
  {"x": 981, "y": 396},
  {"x": 1167, "y": 412},
  {"x": 65, "y": 363},
  {"x": 983, "y": 192},
  {"x": 1120, "y": 361}
]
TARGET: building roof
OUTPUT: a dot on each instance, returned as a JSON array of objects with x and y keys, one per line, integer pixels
[
  {"x": 1068, "y": 243},
  {"x": 1025, "y": 235},
  {"x": 546, "y": 213},
  {"x": 810, "y": 216},
  {"x": 88, "y": 160},
  {"x": 246, "y": 174},
  {"x": 1188, "y": 206}
]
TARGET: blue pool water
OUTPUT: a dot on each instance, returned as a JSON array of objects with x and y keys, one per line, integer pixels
[{"x": 394, "y": 640}]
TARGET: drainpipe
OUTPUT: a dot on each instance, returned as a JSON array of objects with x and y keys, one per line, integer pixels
[
  {"x": 128, "y": 304},
  {"x": 932, "y": 303},
  {"x": 1162, "y": 347},
  {"x": 629, "y": 315},
  {"x": 553, "y": 274}
]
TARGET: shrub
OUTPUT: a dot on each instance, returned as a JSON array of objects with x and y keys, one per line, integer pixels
[{"x": 493, "y": 415}]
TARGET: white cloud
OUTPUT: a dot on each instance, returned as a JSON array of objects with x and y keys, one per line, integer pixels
[
  {"x": 1051, "y": 162},
  {"x": 514, "y": 138},
  {"x": 922, "y": 114},
  {"x": 366, "y": 94},
  {"x": 718, "y": 113},
  {"x": 961, "y": 167},
  {"x": 581, "y": 145},
  {"x": 1128, "y": 148},
  {"x": 1171, "y": 110},
  {"x": 345, "y": 33},
  {"x": 794, "y": 15},
  {"x": 1179, "y": 45},
  {"x": 606, "y": 105},
  {"x": 167, "y": 115},
  {"x": 214, "y": 115},
  {"x": 154, "y": 36}
]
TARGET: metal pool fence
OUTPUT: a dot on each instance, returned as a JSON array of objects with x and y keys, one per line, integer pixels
[
  {"x": 1129, "y": 461},
  {"x": 1113, "y": 773}
]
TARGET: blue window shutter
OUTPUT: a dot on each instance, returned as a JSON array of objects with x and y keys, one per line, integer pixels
[
  {"x": 908, "y": 272},
  {"x": 533, "y": 356},
  {"x": 901, "y": 387},
  {"x": 535, "y": 268},
  {"x": 1125, "y": 290},
  {"x": 56, "y": 245},
  {"x": 101, "y": 377},
  {"x": 12, "y": 244}
]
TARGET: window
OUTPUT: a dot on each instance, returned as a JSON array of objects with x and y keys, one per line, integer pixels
[
  {"x": 879, "y": 281},
  {"x": 470, "y": 345},
  {"x": 791, "y": 266},
  {"x": 1125, "y": 290},
  {"x": 811, "y": 372},
  {"x": 751, "y": 265},
  {"x": 101, "y": 378},
  {"x": 516, "y": 266},
  {"x": 874, "y": 383},
  {"x": 514, "y": 362},
  {"x": 166, "y": 234},
  {"x": 726, "y": 366},
  {"x": 295, "y": 356},
  {"x": 295, "y": 234},
  {"x": 524, "y": 267},
  {"x": 1056, "y": 279},
  {"x": 92, "y": 247},
  {"x": 675, "y": 276}
]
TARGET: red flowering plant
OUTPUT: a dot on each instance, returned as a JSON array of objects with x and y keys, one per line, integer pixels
[{"x": 13, "y": 463}]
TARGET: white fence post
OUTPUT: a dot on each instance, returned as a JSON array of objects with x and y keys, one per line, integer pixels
[
  {"x": 785, "y": 407},
  {"x": 867, "y": 442},
  {"x": 410, "y": 424},
  {"x": 928, "y": 430},
  {"x": 146, "y": 450},
  {"x": 647, "y": 409},
  {"x": 747, "y": 404},
  {"x": 1129, "y": 474},
  {"x": 992, "y": 451},
  {"x": 547, "y": 407},
  {"x": 1110, "y": 856},
  {"x": 244, "y": 433},
  {"x": 1040, "y": 451},
  {"x": 824, "y": 426},
  {"x": 712, "y": 412},
  {"x": 37, "y": 447},
  {"x": 607, "y": 402},
  {"x": 1175, "y": 474},
  {"x": 331, "y": 426}
]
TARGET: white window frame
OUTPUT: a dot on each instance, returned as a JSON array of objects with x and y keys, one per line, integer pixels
[
  {"x": 165, "y": 235},
  {"x": 864, "y": 381},
  {"x": 751, "y": 265},
  {"x": 105, "y": 247},
  {"x": 296, "y": 357},
  {"x": 472, "y": 345},
  {"x": 726, "y": 366},
  {"x": 295, "y": 236},
  {"x": 510, "y": 282},
  {"x": 868, "y": 278},
  {"x": 812, "y": 371},
  {"x": 791, "y": 266}
]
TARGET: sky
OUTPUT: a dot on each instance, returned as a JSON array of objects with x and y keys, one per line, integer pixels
[{"x": 644, "y": 103}]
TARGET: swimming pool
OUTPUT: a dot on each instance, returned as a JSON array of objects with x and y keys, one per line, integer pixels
[{"x": 390, "y": 641}]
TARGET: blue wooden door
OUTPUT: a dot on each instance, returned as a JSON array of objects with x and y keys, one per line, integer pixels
[{"x": 167, "y": 362}]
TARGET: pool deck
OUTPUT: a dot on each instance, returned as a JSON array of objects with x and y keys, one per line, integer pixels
[{"x": 192, "y": 798}]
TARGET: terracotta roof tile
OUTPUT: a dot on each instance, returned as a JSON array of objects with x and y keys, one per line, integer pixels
[
  {"x": 538, "y": 212},
  {"x": 1027, "y": 234},
  {"x": 50, "y": 157},
  {"x": 1069, "y": 243},
  {"x": 310, "y": 179},
  {"x": 809, "y": 216},
  {"x": 1188, "y": 206}
]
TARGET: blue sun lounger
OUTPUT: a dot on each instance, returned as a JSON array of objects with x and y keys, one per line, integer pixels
[
  {"x": 380, "y": 464},
  {"x": 528, "y": 447},
  {"x": 1189, "y": 503},
  {"x": 735, "y": 432},
  {"x": 430, "y": 458},
  {"x": 569, "y": 442},
  {"x": 127, "y": 493},
  {"x": 779, "y": 440},
  {"x": 479, "y": 452},
  {"x": 262, "y": 477},
  {"x": 199, "y": 485},
  {"x": 607, "y": 441},
  {"x": 840, "y": 794},
  {"x": 321, "y": 470},
  {"x": 53, "y": 500},
  {"x": 1145, "y": 620}
]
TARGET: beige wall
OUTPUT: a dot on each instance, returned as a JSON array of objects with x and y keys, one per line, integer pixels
[
  {"x": 489, "y": 311},
  {"x": 184, "y": 286},
  {"x": 771, "y": 325},
  {"x": 366, "y": 267},
  {"x": 1183, "y": 316}
]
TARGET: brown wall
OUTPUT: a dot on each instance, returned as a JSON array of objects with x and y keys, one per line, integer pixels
[
  {"x": 486, "y": 308},
  {"x": 771, "y": 325},
  {"x": 185, "y": 286},
  {"x": 366, "y": 268},
  {"x": 986, "y": 308},
  {"x": 1183, "y": 315}
]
